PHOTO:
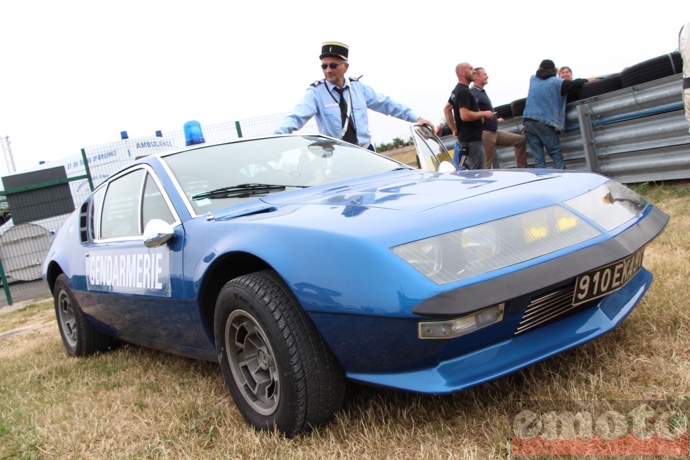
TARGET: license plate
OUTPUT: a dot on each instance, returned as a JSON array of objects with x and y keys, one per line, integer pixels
[{"x": 604, "y": 280}]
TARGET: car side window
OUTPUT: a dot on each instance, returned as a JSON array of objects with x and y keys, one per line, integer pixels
[
  {"x": 126, "y": 205},
  {"x": 120, "y": 213},
  {"x": 154, "y": 205},
  {"x": 95, "y": 213}
]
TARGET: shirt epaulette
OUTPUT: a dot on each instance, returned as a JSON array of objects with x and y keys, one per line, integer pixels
[
  {"x": 316, "y": 83},
  {"x": 356, "y": 78}
]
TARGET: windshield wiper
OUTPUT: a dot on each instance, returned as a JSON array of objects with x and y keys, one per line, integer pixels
[{"x": 243, "y": 191}]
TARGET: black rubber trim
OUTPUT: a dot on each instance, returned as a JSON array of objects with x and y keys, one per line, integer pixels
[{"x": 480, "y": 295}]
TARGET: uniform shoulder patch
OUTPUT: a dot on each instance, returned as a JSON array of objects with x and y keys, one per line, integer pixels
[
  {"x": 316, "y": 83},
  {"x": 356, "y": 78}
]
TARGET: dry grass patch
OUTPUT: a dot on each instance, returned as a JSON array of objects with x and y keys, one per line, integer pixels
[
  {"x": 31, "y": 315},
  {"x": 137, "y": 403}
]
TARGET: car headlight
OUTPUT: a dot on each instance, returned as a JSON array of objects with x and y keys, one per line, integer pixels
[
  {"x": 609, "y": 205},
  {"x": 424, "y": 255},
  {"x": 495, "y": 245}
]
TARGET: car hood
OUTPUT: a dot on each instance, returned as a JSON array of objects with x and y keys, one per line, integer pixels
[
  {"x": 408, "y": 205},
  {"x": 412, "y": 192}
]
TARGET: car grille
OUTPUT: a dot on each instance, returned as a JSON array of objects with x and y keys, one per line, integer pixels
[{"x": 546, "y": 308}]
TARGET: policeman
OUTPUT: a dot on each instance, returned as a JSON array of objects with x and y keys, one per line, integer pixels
[{"x": 340, "y": 104}]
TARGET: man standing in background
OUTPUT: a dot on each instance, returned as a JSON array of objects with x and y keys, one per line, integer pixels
[
  {"x": 492, "y": 137},
  {"x": 463, "y": 116},
  {"x": 544, "y": 115}
]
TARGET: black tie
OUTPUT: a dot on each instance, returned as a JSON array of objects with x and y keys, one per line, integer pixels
[{"x": 350, "y": 135}]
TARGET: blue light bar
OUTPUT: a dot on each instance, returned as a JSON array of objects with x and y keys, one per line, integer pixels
[{"x": 192, "y": 133}]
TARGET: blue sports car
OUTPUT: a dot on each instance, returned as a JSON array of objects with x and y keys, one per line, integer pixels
[{"x": 297, "y": 262}]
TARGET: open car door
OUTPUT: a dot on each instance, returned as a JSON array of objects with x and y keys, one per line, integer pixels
[{"x": 431, "y": 153}]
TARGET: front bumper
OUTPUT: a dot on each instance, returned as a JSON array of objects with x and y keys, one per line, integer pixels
[{"x": 505, "y": 357}]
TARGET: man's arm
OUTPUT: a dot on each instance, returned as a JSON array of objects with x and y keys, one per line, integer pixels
[
  {"x": 301, "y": 114},
  {"x": 468, "y": 115},
  {"x": 387, "y": 106},
  {"x": 465, "y": 101},
  {"x": 569, "y": 86},
  {"x": 448, "y": 114}
]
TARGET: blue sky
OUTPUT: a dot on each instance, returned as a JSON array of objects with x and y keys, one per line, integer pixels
[{"x": 76, "y": 73}]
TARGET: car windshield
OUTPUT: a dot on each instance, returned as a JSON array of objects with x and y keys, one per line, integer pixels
[{"x": 289, "y": 162}]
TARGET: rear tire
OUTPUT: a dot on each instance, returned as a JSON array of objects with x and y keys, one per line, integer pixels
[
  {"x": 504, "y": 111},
  {"x": 518, "y": 106},
  {"x": 279, "y": 371},
  {"x": 78, "y": 335}
]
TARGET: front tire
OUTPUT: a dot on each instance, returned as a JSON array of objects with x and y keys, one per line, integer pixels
[
  {"x": 277, "y": 367},
  {"x": 78, "y": 336}
]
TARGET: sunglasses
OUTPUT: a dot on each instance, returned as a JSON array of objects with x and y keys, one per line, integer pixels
[{"x": 332, "y": 65}]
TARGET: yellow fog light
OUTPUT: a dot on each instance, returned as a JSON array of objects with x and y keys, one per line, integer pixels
[
  {"x": 536, "y": 233},
  {"x": 566, "y": 223}
]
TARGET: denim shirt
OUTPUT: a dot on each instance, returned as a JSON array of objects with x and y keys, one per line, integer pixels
[
  {"x": 545, "y": 103},
  {"x": 321, "y": 101}
]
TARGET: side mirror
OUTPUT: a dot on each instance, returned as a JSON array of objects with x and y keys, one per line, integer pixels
[{"x": 157, "y": 233}]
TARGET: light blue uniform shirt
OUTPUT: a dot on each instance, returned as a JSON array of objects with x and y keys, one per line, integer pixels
[{"x": 322, "y": 101}]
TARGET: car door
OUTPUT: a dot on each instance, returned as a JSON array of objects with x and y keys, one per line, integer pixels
[
  {"x": 431, "y": 153},
  {"x": 135, "y": 289}
]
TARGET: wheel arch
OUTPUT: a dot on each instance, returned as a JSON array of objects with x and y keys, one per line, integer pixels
[
  {"x": 224, "y": 268},
  {"x": 52, "y": 272}
]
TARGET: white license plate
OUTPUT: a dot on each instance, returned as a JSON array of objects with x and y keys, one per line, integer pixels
[{"x": 606, "y": 279}]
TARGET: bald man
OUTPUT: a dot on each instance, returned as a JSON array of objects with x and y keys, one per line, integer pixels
[{"x": 465, "y": 119}]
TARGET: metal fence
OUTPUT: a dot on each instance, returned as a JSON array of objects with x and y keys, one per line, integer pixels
[
  {"x": 106, "y": 159},
  {"x": 636, "y": 134}
]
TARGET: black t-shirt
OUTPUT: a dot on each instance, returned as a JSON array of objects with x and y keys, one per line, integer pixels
[{"x": 469, "y": 131}]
